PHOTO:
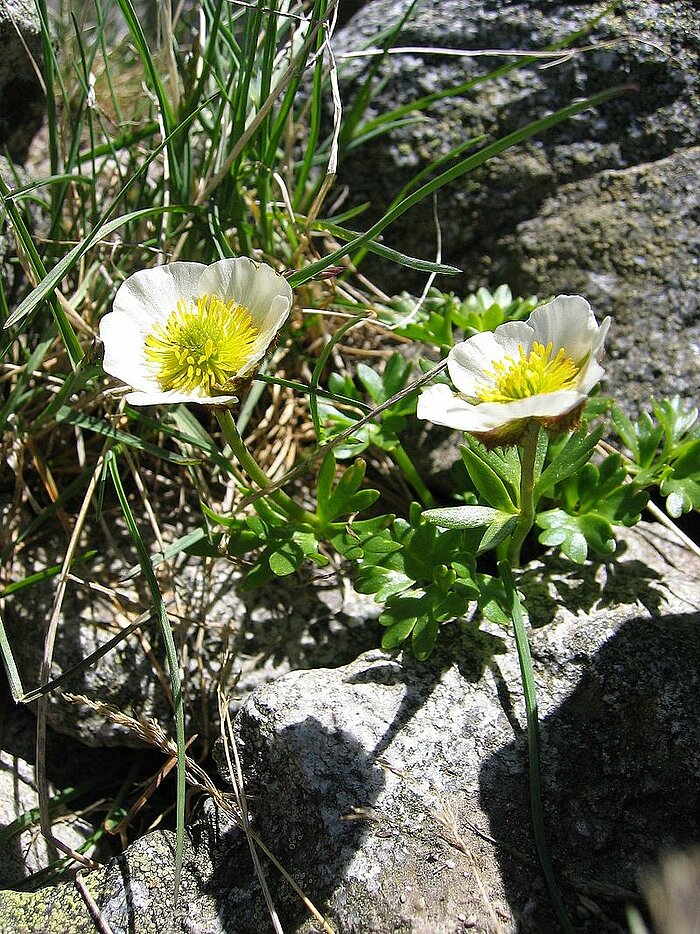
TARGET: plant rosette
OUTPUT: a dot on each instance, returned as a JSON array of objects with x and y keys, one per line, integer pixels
[
  {"x": 186, "y": 332},
  {"x": 539, "y": 370}
]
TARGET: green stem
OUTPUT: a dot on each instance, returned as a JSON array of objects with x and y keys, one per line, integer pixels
[
  {"x": 526, "y": 518},
  {"x": 249, "y": 464},
  {"x": 411, "y": 475},
  {"x": 533, "y": 744}
]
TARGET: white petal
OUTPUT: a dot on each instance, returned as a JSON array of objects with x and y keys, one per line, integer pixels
[
  {"x": 567, "y": 321},
  {"x": 171, "y": 397},
  {"x": 470, "y": 363},
  {"x": 441, "y": 406},
  {"x": 124, "y": 356},
  {"x": 598, "y": 345},
  {"x": 256, "y": 286},
  {"x": 438, "y": 404},
  {"x": 152, "y": 294},
  {"x": 590, "y": 376},
  {"x": 545, "y": 405},
  {"x": 592, "y": 372}
]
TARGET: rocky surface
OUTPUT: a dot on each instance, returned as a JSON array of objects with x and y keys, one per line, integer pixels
[
  {"x": 601, "y": 203},
  {"x": 21, "y": 95},
  {"x": 303, "y": 621},
  {"x": 133, "y": 893},
  {"x": 398, "y": 791},
  {"x": 395, "y": 793},
  {"x": 25, "y": 852},
  {"x": 629, "y": 241}
]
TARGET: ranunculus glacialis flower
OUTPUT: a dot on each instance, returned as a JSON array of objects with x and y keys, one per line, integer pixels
[
  {"x": 186, "y": 332},
  {"x": 541, "y": 369}
]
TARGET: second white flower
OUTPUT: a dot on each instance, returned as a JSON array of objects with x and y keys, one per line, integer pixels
[{"x": 543, "y": 369}]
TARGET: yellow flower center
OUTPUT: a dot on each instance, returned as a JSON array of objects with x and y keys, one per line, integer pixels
[
  {"x": 530, "y": 375},
  {"x": 202, "y": 345}
]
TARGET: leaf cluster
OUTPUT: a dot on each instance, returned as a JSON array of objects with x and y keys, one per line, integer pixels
[
  {"x": 592, "y": 501},
  {"x": 276, "y": 545},
  {"x": 423, "y": 575},
  {"x": 377, "y": 387},
  {"x": 443, "y": 317},
  {"x": 665, "y": 451}
]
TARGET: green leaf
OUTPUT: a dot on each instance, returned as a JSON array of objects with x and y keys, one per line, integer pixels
[
  {"x": 626, "y": 430},
  {"x": 681, "y": 495},
  {"x": 346, "y": 498},
  {"x": 324, "y": 485},
  {"x": 382, "y": 582},
  {"x": 575, "y": 453},
  {"x": 500, "y": 529},
  {"x": 286, "y": 558},
  {"x": 487, "y": 481},
  {"x": 505, "y": 462},
  {"x": 372, "y": 383},
  {"x": 464, "y": 517},
  {"x": 425, "y": 632},
  {"x": 396, "y": 633},
  {"x": 350, "y": 538},
  {"x": 492, "y": 600},
  {"x": 676, "y": 417},
  {"x": 686, "y": 461},
  {"x": 574, "y": 534}
]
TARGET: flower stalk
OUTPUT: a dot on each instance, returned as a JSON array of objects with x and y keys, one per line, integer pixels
[
  {"x": 533, "y": 744},
  {"x": 526, "y": 517},
  {"x": 411, "y": 475},
  {"x": 255, "y": 472}
]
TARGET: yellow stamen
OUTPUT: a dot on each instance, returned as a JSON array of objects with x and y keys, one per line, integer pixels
[
  {"x": 530, "y": 375},
  {"x": 202, "y": 345}
]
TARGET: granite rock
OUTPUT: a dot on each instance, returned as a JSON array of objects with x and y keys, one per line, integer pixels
[
  {"x": 395, "y": 793},
  {"x": 600, "y": 203},
  {"x": 21, "y": 95}
]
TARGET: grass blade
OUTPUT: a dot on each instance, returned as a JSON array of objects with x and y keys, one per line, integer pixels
[
  {"x": 462, "y": 168},
  {"x": 171, "y": 655}
]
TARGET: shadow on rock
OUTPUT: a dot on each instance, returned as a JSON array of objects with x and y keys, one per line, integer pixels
[
  {"x": 332, "y": 757},
  {"x": 620, "y": 769},
  {"x": 620, "y": 581},
  {"x": 308, "y": 815}
]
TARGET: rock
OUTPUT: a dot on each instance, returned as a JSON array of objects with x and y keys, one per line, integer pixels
[
  {"x": 628, "y": 240},
  {"x": 21, "y": 96},
  {"x": 593, "y": 204},
  {"x": 134, "y": 892},
  {"x": 26, "y": 853},
  {"x": 396, "y": 793}
]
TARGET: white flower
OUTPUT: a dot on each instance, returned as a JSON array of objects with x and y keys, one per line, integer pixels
[
  {"x": 542, "y": 369},
  {"x": 186, "y": 332}
]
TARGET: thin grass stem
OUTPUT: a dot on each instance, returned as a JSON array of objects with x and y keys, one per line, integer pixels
[{"x": 171, "y": 656}]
